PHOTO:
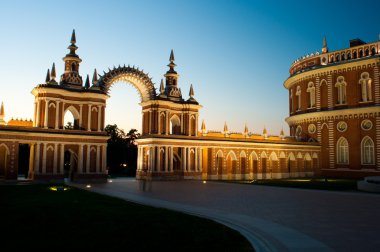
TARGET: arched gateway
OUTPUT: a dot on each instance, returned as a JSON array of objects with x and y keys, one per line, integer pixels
[{"x": 170, "y": 147}]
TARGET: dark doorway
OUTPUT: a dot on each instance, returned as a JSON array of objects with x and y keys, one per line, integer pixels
[
  {"x": 70, "y": 165},
  {"x": 23, "y": 160}
]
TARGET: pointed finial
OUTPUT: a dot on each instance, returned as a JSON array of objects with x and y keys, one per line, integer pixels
[
  {"x": 324, "y": 48},
  {"x": 246, "y": 129},
  {"x": 191, "y": 92},
  {"x": 95, "y": 77},
  {"x": 203, "y": 127},
  {"x": 282, "y": 135},
  {"x": 48, "y": 76},
  {"x": 225, "y": 129},
  {"x": 53, "y": 74},
  {"x": 171, "y": 59},
  {"x": 2, "y": 109},
  {"x": 162, "y": 89},
  {"x": 73, "y": 38},
  {"x": 265, "y": 133},
  {"x": 87, "y": 84}
]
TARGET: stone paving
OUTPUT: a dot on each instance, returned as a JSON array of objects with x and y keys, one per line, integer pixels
[{"x": 272, "y": 218}]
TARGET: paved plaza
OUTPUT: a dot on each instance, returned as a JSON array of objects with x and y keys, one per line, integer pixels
[{"x": 272, "y": 218}]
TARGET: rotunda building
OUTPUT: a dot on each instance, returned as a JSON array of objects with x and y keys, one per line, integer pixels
[{"x": 334, "y": 99}]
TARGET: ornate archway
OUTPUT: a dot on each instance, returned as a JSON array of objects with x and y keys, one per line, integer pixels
[{"x": 131, "y": 75}]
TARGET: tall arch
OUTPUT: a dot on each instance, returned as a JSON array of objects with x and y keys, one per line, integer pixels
[
  {"x": 308, "y": 165},
  {"x": 253, "y": 164},
  {"x": 367, "y": 148},
  {"x": 264, "y": 164},
  {"x": 140, "y": 80},
  {"x": 4, "y": 159},
  {"x": 273, "y": 171},
  {"x": 231, "y": 165},
  {"x": 243, "y": 165},
  {"x": 175, "y": 125},
  {"x": 219, "y": 164},
  {"x": 342, "y": 151},
  {"x": 75, "y": 114}
]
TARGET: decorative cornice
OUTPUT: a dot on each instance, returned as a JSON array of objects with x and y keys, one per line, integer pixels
[
  {"x": 324, "y": 70},
  {"x": 334, "y": 114}
]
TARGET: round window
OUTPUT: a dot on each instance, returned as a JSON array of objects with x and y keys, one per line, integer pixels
[
  {"x": 341, "y": 126},
  {"x": 312, "y": 128},
  {"x": 366, "y": 125}
]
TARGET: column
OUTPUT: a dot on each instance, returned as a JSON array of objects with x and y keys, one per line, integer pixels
[
  {"x": 188, "y": 162},
  {"x": 182, "y": 130},
  {"x": 46, "y": 113},
  {"x": 167, "y": 124},
  {"x": 153, "y": 156},
  {"x": 44, "y": 158},
  {"x": 35, "y": 114},
  {"x": 80, "y": 115},
  {"x": 63, "y": 115},
  {"x": 37, "y": 159},
  {"x": 171, "y": 158},
  {"x": 196, "y": 159},
  {"x": 184, "y": 157},
  {"x": 89, "y": 118},
  {"x": 88, "y": 159},
  {"x": 104, "y": 158},
  {"x": 31, "y": 161},
  {"x": 99, "y": 116},
  {"x": 200, "y": 168},
  {"x": 80, "y": 158},
  {"x": 57, "y": 114},
  {"x": 62, "y": 159},
  {"x": 166, "y": 158},
  {"x": 150, "y": 122},
  {"x": 38, "y": 112},
  {"x": 159, "y": 123},
  {"x": 55, "y": 158},
  {"x": 97, "y": 159},
  {"x": 196, "y": 125},
  {"x": 158, "y": 163}
]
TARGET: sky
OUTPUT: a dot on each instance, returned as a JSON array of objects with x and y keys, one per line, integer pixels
[{"x": 237, "y": 54}]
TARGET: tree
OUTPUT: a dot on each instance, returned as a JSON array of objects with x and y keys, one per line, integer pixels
[
  {"x": 69, "y": 126},
  {"x": 121, "y": 150}
]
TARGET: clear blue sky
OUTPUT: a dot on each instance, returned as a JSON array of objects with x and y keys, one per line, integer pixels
[{"x": 235, "y": 53}]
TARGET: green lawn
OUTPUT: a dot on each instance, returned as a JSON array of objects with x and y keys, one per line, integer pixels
[
  {"x": 309, "y": 183},
  {"x": 34, "y": 217}
]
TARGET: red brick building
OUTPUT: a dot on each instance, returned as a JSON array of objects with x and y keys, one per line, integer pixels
[{"x": 334, "y": 99}]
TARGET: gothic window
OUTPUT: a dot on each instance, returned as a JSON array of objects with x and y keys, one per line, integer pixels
[
  {"x": 342, "y": 151},
  {"x": 341, "y": 90},
  {"x": 337, "y": 57},
  {"x": 175, "y": 125},
  {"x": 298, "y": 131},
  {"x": 373, "y": 51},
  {"x": 367, "y": 52},
  {"x": 332, "y": 58},
  {"x": 71, "y": 118},
  {"x": 360, "y": 53},
  {"x": 291, "y": 101},
  {"x": 343, "y": 56},
  {"x": 73, "y": 67},
  {"x": 366, "y": 87},
  {"x": 298, "y": 94},
  {"x": 355, "y": 55},
  {"x": 311, "y": 91},
  {"x": 367, "y": 151},
  {"x": 349, "y": 55}
]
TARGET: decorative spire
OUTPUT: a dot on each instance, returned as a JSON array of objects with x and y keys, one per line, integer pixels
[
  {"x": 225, "y": 129},
  {"x": 265, "y": 133},
  {"x": 162, "y": 89},
  {"x": 2, "y": 109},
  {"x": 73, "y": 38},
  {"x": 203, "y": 127},
  {"x": 87, "y": 84},
  {"x": 53, "y": 74},
  {"x": 171, "y": 58},
  {"x": 246, "y": 130},
  {"x": 95, "y": 78},
  {"x": 324, "y": 48},
  {"x": 48, "y": 76},
  {"x": 282, "y": 135},
  {"x": 2, "y": 122},
  {"x": 191, "y": 92}
]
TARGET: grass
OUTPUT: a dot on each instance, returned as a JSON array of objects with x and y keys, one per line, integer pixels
[
  {"x": 34, "y": 217},
  {"x": 311, "y": 183}
]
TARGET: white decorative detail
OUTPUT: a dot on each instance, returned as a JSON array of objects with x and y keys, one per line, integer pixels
[
  {"x": 366, "y": 124},
  {"x": 312, "y": 128},
  {"x": 341, "y": 126}
]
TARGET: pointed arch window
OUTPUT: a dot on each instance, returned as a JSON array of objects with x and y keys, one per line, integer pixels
[
  {"x": 341, "y": 86},
  {"x": 342, "y": 151},
  {"x": 366, "y": 87},
  {"x": 298, "y": 94},
  {"x": 175, "y": 125},
  {"x": 367, "y": 151},
  {"x": 311, "y": 91}
]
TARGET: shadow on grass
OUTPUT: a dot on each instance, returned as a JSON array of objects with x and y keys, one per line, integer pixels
[{"x": 36, "y": 217}]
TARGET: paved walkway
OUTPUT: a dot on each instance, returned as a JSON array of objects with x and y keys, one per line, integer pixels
[{"x": 272, "y": 218}]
